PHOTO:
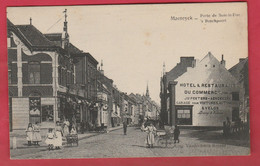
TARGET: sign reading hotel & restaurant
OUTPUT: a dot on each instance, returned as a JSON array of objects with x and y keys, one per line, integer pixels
[{"x": 211, "y": 91}]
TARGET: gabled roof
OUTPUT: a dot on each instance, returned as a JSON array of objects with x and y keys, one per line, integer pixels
[
  {"x": 208, "y": 70},
  {"x": 30, "y": 36},
  {"x": 34, "y": 36},
  {"x": 56, "y": 39},
  {"x": 34, "y": 39}
]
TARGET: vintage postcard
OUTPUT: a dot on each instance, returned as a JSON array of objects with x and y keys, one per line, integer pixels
[{"x": 141, "y": 80}]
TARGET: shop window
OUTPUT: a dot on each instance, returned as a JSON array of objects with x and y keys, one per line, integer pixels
[
  {"x": 47, "y": 113},
  {"x": 34, "y": 72},
  {"x": 235, "y": 96},
  {"x": 34, "y": 109},
  {"x": 184, "y": 116}
]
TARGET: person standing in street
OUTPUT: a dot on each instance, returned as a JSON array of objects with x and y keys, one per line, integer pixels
[
  {"x": 151, "y": 132},
  {"x": 37, "y": 135},
  {"x": 125, "y": 127},
  {"x": 66, "y": 125},
  {"x": 29, "y": 133},
  {"x": 176, "y": 134},
  {"x": 58, "y": 134}
]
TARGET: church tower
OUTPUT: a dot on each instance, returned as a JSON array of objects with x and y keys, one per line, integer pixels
[{"x": 147, "y": 92}]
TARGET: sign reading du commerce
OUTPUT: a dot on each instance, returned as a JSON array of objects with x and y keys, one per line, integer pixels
[{"x": 211, "y": 92}]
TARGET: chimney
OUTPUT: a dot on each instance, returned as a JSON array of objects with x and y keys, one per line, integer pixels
[
  {"x": 195, "y": 63},
  {"x": 163, "y": 69},
  {"x": 241, "y": 59},
  {"x": 101, "y": 68},
  {"x": 223, "y": 62},
  {"x": 187, "y": 60}
]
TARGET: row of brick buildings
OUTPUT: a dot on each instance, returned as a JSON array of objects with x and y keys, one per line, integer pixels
[
  {"x": 51, "y": 80},
  {"x": 205, "y": 93}
]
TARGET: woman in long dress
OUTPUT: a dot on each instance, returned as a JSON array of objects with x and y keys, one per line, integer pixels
[
  {"x": 58, "y": 134},
  {"x": 36, "y": 134},
  {"x": 29, "y": 133},
  {"x": 66, "y": 128},
  {"x": 151, "y": 131}
]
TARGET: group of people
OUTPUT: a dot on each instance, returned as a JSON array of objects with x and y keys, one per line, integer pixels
[
  {"x": 33, "y": 134},
  {"x": 54, "y": 135}
]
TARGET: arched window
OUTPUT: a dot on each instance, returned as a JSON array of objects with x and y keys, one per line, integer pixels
[{"x": 34, "y": 72}]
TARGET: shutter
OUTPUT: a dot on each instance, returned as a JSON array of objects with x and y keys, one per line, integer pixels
[
  {"x": 14, "y": 73},
  {"x": 25, "y": 73},
  {"x": 46, "y": 73}
]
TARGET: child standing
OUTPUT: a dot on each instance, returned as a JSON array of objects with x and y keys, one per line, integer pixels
[
  {"x": 73, "y": 130},
  {"x": 29, "y": 133},
  {"x": 50, "y": 139},
  {"x": 37, "y": 136},
  {"x": 58, "y": 134}
]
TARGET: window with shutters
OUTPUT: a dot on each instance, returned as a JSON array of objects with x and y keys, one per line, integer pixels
[{"x": 34, "y": 72}]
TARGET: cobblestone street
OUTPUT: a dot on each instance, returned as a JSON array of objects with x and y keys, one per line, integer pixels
[{"x": 115, "y": 144}]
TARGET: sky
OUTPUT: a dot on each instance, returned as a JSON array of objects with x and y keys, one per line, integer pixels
[{"x": 135, "y": 40}]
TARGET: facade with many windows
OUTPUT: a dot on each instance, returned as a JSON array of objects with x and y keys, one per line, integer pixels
[{"x": 39, "y": 74}]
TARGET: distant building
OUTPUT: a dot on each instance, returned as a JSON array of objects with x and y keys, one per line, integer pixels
[
  {"x": 137, "y": 115},
  {"x": 116, "y": 108},
  {"x": 86, "y": 78},
  {"x": 105, "y": 98},
  {"x": 145, "y": 108}
]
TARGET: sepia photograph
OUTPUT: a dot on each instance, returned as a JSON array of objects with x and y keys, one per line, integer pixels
[{"x": 128, "y": 81}]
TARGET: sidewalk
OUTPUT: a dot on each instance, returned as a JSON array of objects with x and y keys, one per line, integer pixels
[{"x": 21, "y": 141}]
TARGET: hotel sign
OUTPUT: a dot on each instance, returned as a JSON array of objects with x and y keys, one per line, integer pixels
[{"x": 209, "y": 97}]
